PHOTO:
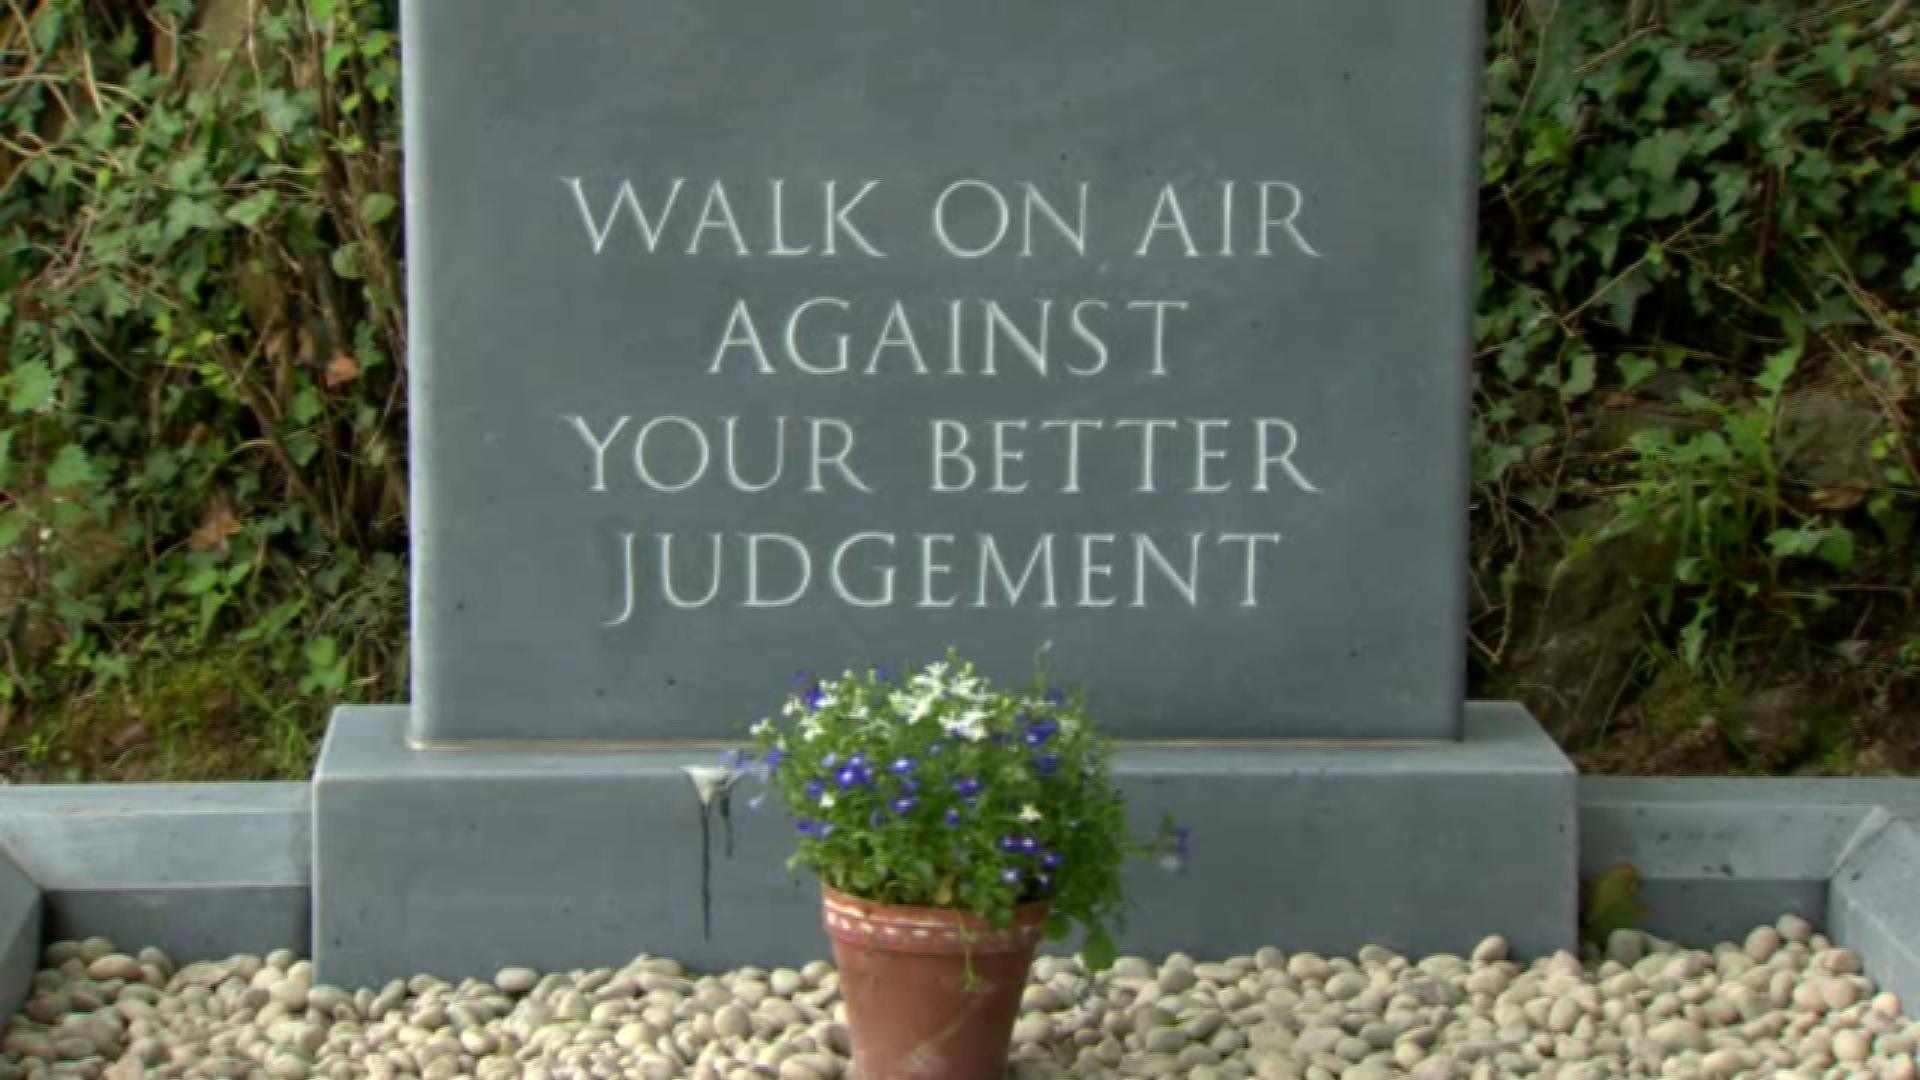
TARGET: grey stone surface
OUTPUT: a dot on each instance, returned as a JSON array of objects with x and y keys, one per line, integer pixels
[
  {"x": 534, "y": 302},
  {"x": 1718, "y": 855},
  {"x": 20, "y": 924},
  {"x": 200, "y": 870},
  {"x": 1873, "y": 903},
  {"x": 172, "y": 865},
  {"x": 464, "y": 862}
]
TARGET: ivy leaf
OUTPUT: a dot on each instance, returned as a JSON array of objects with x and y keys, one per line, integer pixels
[
  {"x": 377, "y": 207},
  {"x": 336, "y": 54},
  {"x": 13, "y": 524},
  {"x": 71, "y": 468},
  {"x": 1836, "y": 548},
  {"x": 253, "y": 209},
  {"x": 1779, "y": 369},
  {"x": 185, "y": 215},
  {"x": 346, "y": 261},
  {"x": 1624, "y": 297},
  {"x": 1658, "y": 155},
  {"x": 1579, "y": 380},
  {"x": 1635, "y": 370},
  {"x": 32, "y": 386},
  {"x": 306, "y": 405},
  {"x": 1612, "y": 902},
  {"x": 1671, "y": 202}
]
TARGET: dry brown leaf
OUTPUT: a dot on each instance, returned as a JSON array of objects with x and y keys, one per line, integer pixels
[
  {"x": 128, "y": 737},
  {"x": 341, "y": 370},
  {"x": 1839, "y": 498},
  {"x": 216, "y": 527}
]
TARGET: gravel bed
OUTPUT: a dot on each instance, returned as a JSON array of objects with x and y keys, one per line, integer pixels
[{"x": 1782, "y": 1004}]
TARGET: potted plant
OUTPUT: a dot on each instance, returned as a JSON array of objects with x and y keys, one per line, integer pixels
[{"x": 952, "y": 825}]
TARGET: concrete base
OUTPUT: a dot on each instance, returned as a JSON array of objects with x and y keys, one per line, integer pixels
[
  {"x": 1717, "y": 857},
  {"x": 20, "y": 926},
  {"x": 214, "y": 869},
  {"x": 199, "y": 870},
  {"x": 461, "y": 861}
]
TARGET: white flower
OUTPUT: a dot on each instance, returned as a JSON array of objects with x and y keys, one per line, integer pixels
[
  {"x": 809, "y": 729},
  {"x": 826, "y": 800},
  {"x": 764, "y": 727},
  {"x": 1029, "y": 813},
  {"x": 921, "y": 707},
  {"x": 970, "y": 725}
]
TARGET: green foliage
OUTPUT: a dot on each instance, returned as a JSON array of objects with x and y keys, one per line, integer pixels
[
  {"x": 941, "y": 791},
  {"x": 1697, "y": 217},
  {"x": 1610, "y": 902},
  {"x": 202, "y": 429}
]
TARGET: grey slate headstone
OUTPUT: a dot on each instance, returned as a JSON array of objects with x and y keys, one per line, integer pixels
[{"x": 1314, "y": 588}]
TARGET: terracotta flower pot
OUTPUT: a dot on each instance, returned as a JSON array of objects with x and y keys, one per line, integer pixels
[{"x": 914, "y": 1011}]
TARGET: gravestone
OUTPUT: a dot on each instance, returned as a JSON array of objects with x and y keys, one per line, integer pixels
[
  {"x": 1125, "y": 339},
  {"x": 1120, "y": 339}
]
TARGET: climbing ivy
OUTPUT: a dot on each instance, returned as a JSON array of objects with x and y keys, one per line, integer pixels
[{"x": 199, "y": 292}]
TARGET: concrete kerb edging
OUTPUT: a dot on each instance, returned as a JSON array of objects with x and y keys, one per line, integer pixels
[
  {"x": 1716, "y": 857},
  {"x": 21, "y": 918},
  {"x": 206, "y": 870},
  {"x": 199, "y": 870}
]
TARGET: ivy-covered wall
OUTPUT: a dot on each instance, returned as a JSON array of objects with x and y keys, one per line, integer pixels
[{"x": 1694, "y": 437}]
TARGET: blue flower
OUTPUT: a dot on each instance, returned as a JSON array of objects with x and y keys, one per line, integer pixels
[
  {"x": 1039, "y": 732},
  {"x": 953, "y": 818},
  {"x": 734, "y": 759},
  {"x": 814, "y": 698},
  {"x": 904, "y": 803},
  {"x": 903, "y": 766},
  {"x": 967, "y": 786},
  {"x": 1011, "y": 875},
  {"x": 858, "y": 761},
  {"x": 1010, "y": 844},
  {"x": 815, "y": 789},
  {"x": 808, "y": 827},
  {"x": 774, "y": 758},
  {"x": 1047, "y": 764},
  {"x": 829, "y": 759},
  {"x": 1050, "y": 860},
  {"x": 849, "y": 776}
]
